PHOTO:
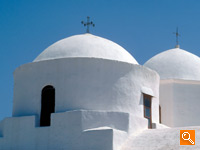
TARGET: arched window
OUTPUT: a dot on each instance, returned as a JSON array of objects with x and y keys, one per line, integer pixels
[{"x": 47, "y": 105}]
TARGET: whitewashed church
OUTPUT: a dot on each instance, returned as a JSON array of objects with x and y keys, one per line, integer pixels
[{"x": 86, "y": 92}]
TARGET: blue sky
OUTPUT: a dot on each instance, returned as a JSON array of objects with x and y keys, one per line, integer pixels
[{"x": 142, "y": 27}]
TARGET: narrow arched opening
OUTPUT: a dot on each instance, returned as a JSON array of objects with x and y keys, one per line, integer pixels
[{"x": 47, "y": 105}]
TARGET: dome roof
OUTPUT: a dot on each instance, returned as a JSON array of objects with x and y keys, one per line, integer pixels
[
  {"x": 176, "y": 64},
  {"x": 86, "y": 45}
]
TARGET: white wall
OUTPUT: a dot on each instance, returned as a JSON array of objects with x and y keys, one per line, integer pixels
[
  {"x": 186, "y": 103},
  {"x": 166, "y": 102},
  {"x": 73, "y": 130},
  {"x": 84, "y": 83},
  {"x": 162, "y": 139},
  {"x": 106, "y": 94},
  {"x": 180, "y": 101}
]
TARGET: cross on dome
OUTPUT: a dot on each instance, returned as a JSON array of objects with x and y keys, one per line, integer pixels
[
  {"x": 177, "y": 35},
  {"x": 88, "y": 23}
]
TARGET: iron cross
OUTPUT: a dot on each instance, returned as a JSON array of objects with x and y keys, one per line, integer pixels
[
  {"x": 88, "y": 23},
  {"x": 177, "y": 35}
]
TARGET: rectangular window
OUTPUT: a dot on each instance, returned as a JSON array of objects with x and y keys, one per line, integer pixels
[
  {"x": 147, "y": 109},
  {"x": 159, "y": 114}
]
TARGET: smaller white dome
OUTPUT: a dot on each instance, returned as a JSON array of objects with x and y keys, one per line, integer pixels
[
  {"x": 175, "y": 64},
  {"x": 86, "y": 45}
]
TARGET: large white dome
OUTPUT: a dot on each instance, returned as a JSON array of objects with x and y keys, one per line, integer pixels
[
  {"x": 86, "y": 45},
  {"x": 176, "y": 64}
]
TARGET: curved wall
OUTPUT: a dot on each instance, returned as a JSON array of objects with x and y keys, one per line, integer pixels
[{"x": 85, "y": 83}]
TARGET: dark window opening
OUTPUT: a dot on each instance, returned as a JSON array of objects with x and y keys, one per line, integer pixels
[
  {"x": 147, "y": 109},
  {"x": 159, "y": 114},
  {"x": 47, "y": 105}
]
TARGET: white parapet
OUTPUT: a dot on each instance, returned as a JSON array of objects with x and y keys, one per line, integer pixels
[{"x": 74, "y": 130}]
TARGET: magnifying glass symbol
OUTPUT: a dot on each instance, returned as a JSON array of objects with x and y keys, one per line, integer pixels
[{"x": 187, "y": 139}]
